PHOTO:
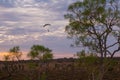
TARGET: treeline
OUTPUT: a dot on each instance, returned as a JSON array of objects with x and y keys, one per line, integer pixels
[{"x": 37, "y": 52}]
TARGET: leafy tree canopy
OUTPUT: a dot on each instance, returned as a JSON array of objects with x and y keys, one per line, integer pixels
[
  {"x": 92, "y": 23},
  {"x": 40, "y": 52}
]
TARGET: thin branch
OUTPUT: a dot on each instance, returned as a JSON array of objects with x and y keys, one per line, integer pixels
[
  {"x": 109, "y": 52},
  {"x": 112, "y": 55},
  {"x": 112, "y": 45}
]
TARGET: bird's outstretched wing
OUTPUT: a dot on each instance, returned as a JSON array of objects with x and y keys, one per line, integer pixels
[{"x": 46, "y": 25}]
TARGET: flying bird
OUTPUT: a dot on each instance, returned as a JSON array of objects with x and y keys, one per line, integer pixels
[{"x": 46, "y": 25}]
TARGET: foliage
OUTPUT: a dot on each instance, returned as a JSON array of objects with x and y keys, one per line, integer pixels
[
  {"x": 47, "y": 56},
  {"x": 32, "y": 65},
  {"x": 81, "y": 54},
  {"x": 6, "y": 57},
  {"x": 92, "y": 23},
  {"x": 15, "y": 53},
  {"x": 40, "y": 52},
  {"x": 91, "y": 64}
]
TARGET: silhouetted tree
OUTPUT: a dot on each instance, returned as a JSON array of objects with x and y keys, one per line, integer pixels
[
  {"x": 6, "y": 57},
  {"x": 15, "y": 53}
]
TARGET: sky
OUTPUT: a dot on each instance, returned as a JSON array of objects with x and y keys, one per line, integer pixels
[{"x": 21, "y": 24}]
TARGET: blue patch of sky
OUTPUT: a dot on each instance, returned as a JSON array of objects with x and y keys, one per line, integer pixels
[{"x": 6, "y": 3}]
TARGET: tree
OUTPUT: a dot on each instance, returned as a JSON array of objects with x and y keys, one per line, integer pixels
[
  {"x": 6, "y": 57},
  {"x": 92, "y": 26},
  {"x": 40, "y": 52},
  {"x": 15, "y": 53},
  {"x": 47, "y": 56},
  {"x": 92, "y": 23}
]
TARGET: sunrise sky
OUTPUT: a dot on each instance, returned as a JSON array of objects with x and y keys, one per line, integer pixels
[{"x": 21, "y": 24}]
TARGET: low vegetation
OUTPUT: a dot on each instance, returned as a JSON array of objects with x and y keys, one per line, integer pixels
[{"x": 58, "y": 69}]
